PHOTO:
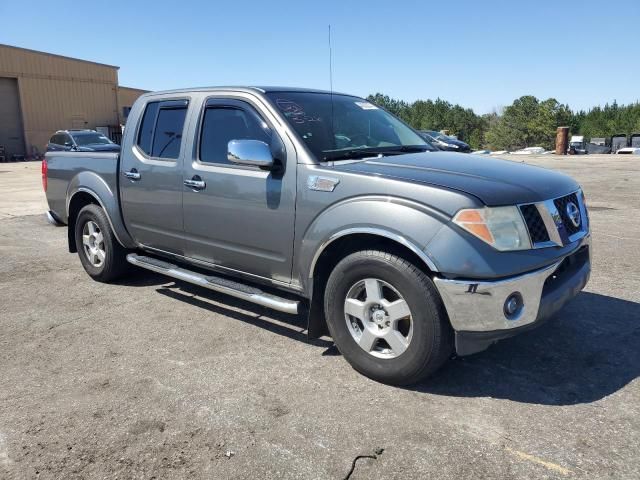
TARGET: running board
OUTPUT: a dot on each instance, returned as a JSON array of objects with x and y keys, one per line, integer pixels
[{"x": 218, "y": 284}]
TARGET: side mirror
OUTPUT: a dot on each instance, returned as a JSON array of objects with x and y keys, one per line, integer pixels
[{"x": 250, "y": 152}]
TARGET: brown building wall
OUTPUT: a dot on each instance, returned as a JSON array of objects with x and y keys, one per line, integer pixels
[
  {"x": 126, "y": 98},
  {"x": 60, "y": 93},
  {"x": 53, "y": 105}
]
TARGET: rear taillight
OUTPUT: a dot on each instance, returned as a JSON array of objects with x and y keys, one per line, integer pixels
[{"x": 44, "y": 174}]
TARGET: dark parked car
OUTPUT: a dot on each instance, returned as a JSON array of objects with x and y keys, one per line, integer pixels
[
  {"x": 81, "y": 141},
  {"x": 443, "y": 142}
]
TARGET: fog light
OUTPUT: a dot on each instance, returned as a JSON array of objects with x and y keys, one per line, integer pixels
[{"x": 513, "y": 305}]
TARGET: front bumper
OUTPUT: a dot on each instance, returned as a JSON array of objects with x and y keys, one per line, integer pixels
[{"x": 476, "y": 308}]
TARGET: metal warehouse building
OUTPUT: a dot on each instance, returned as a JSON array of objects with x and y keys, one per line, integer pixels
[{"x": 42, "y": 92}]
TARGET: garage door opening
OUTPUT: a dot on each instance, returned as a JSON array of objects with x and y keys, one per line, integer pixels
[{"x": 11, "y": 131}]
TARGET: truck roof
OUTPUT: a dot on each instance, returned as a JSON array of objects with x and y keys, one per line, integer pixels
[{"x": 249, "y": 89}]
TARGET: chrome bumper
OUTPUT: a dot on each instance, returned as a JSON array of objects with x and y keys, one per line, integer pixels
[{"x": 476, "y": 309}]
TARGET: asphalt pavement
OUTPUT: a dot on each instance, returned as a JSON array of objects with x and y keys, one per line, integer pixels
[{"x": 151, "y": 378}]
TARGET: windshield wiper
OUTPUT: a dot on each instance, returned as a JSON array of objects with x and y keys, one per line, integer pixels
[
  {"x": 354, "y": 154},
  {"x": 409, "y": 149},
  {"x": 358, "y": 153}
]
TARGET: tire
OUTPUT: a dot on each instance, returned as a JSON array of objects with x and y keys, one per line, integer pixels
[
  {"x": 111, "y": 263},
  {"x": 424, "y": 332}
]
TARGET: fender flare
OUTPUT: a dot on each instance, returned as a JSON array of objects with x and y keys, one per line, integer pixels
[
  {"x": 404, "y": 221},
  {"x": 372, "y": 231},
  {"x": 89, "y": 183}
]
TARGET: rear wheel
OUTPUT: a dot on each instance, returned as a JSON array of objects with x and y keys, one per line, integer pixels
[
  {"x": 386, "y": 317},
  {"x": 101, "y": 255}
]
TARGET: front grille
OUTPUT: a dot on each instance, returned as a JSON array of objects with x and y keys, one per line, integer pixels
[
  {"x": 537, "y": 230},
  {"x": 561, "y": 205}
]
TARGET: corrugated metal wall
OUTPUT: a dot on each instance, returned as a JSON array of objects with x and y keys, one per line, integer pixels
[
  {"x": 59, "y": 93},
  {"x": 126, "y": 98}
]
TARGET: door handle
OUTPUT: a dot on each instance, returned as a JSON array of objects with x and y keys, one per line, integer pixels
[
  {"x": 132, "y": 174},
  {"x": 196, "y": 183}
]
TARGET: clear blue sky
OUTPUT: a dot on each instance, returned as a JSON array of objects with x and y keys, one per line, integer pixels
[{"x": 481, "y": 54}]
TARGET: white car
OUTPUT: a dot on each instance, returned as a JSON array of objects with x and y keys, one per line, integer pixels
[
  {"x": 628, "y": 151},
  {"x": 529, "y": 151}
]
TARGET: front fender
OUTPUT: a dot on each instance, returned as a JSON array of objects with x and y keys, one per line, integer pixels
[
  {"x": 406, "y": 222},
  {"x": 98, "y": 188}
]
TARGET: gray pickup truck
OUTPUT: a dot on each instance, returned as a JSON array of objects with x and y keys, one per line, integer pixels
[{"x": 324, "y": 205}]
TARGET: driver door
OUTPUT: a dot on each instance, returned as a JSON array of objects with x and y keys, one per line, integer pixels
[{"x": 242, "y": 217}]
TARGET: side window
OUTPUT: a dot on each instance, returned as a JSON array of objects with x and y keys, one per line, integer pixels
[
  {"x": 54, "y": 140},
  {"x": 168, "y": 132},
  {"x": 223, "y": 124},
  {"x": 160, "y": 131},
  {"x": 145, "y": 135}
]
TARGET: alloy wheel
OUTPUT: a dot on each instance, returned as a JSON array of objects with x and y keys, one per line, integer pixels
[{"x": 378, "y": 318}]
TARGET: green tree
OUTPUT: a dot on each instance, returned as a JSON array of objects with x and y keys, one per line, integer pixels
[
  {"x": 436, "y": 115},
  {"x": 528, "y": 122}
]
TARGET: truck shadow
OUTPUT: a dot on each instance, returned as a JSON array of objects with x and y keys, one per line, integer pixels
[
  {"x": 589, "y": 351},
  {"x": 137, "y": 277},
  {"x": 290, "y": 326}
]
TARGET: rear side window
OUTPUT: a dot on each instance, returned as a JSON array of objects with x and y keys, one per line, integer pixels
[
  {"x": 146, "y": 127},
  {"x": 223, "y": 124},
  {"x": 58, "y": 139},
  {"x": 168, "y": 132},
  {"x": 161, "y": 128}
]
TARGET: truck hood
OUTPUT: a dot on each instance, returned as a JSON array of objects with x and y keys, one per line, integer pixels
[{"x": 495, "y": 182}]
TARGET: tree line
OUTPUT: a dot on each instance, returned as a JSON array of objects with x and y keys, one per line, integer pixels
[{"x": 527, "y": 122}]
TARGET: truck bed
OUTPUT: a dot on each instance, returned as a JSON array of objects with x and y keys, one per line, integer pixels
[{"x": 70, "y": 171}]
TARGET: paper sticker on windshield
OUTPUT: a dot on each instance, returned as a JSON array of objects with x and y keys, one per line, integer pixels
[{"x": 366, "y": 106}]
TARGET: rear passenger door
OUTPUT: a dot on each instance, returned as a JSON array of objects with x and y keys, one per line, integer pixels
[{"x": 151, "y": 176}]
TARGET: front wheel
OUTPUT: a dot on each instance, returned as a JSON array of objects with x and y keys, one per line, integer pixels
[
  {"x": 101, "y": 255},
  {"x": 386, "y": 317}
]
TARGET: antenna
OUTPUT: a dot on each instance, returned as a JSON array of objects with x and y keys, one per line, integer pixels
[
  {"x": 330, "y": 63},
  {"x": 331, "y": 86}
]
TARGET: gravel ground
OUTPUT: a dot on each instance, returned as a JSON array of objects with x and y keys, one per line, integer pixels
[{"x": 151, "y": 378}]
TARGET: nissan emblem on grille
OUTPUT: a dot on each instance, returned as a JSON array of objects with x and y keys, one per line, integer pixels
[{"x": 573, "y": 213}]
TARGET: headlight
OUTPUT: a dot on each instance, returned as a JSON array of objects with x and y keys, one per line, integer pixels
[{"x": 501, "y": 227}]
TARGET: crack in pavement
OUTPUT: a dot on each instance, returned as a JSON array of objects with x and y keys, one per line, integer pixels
[{"x": 375, "y": 456}]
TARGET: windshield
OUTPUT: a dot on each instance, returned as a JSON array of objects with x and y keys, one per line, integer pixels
[
  {"x": 437, "y": 135},
  {"x": 84, "y": 139},
  {"x": 347, "y": 127}
]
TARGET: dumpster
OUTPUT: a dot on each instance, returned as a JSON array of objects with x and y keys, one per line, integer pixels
[{"x": 617, "y": 142}]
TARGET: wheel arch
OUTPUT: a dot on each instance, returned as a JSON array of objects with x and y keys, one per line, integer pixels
[
  {"x": 81, "y": 197},
  {"x": 371, "y": 234},
  {"x": 343, "y": 243}
]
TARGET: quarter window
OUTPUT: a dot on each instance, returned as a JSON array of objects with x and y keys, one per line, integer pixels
[
  {"x": 168, "y": 132},
  {"x": 223, "y": 124},
  {"x": 146, "y": 127}
]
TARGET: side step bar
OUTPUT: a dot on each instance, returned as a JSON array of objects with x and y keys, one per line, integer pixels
[{"x": 222, "y": 285}]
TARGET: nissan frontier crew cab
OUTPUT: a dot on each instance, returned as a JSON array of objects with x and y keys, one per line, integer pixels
[{"x": 324, "y": 205}]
